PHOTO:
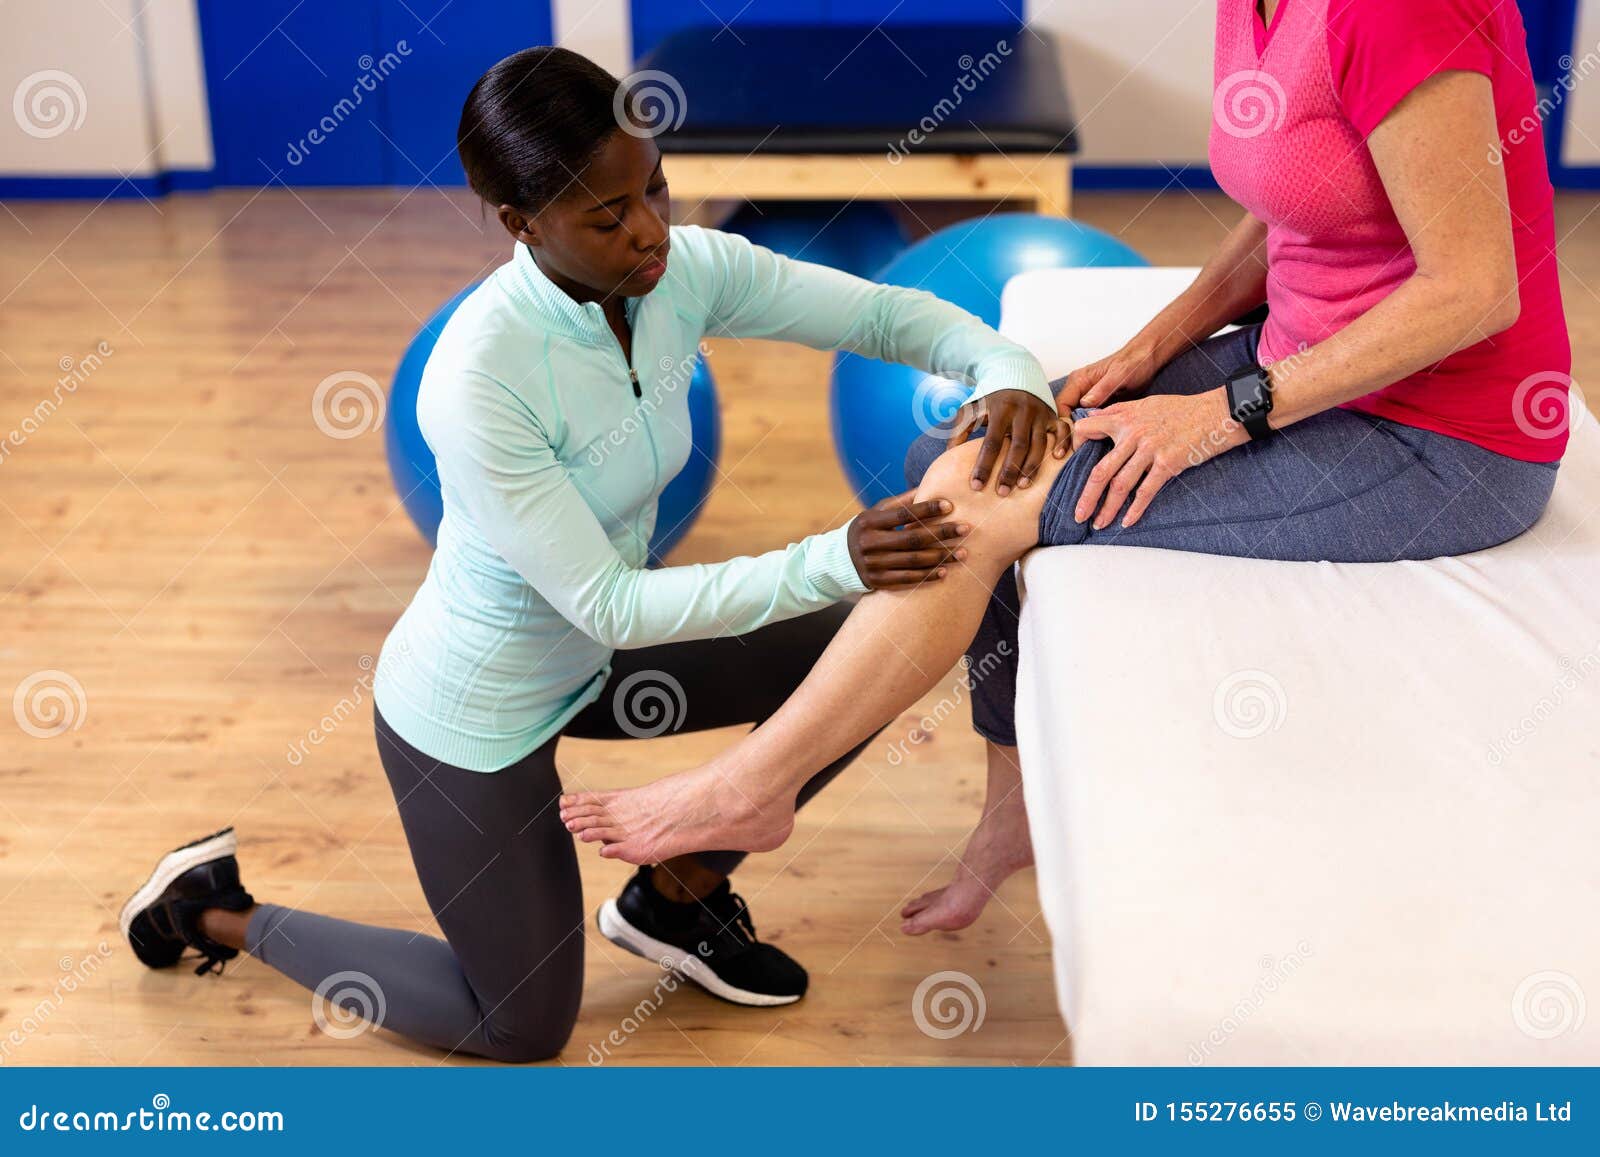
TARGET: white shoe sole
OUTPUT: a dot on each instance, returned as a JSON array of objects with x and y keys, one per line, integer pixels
[
  {"x": 624, "y": 935},
  {"x": 173, "y": 865}
]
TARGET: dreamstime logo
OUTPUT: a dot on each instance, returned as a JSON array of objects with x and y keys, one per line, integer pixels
[
  {"x": 972, "y": 73},
  {"x": 348, "y": 1004},
  {"x": 1249, "y": 703},
  {"x": 74, "y": 373},
  {"x": 649, "y": 703},
  {"x": 1573, "y": 673},
  {"x": 1275, "y": 973},
  {"x": 49, "y": 103},
  {"x": 1547, "y": 405},
  {"x": 75, "y": 974},
  {"x": 373, "y": 73},
  {"x": 672, "y": 977},
  {"x": 972, "y": 674},
  {"x": 649, "y": 103},
  {"x": 1572, "y": 71},
  {"x": 1249, "y": 103},
  {"x": 392, "y": 658},
  {"x": 49, "y": 703},
  {"x": 1548, "y": 1004},
  {"x": 347, "y": 404},
  {"x": 1283, "y": 370},
  {"x": 676, "y": 374},
  {"x": 947, "y": 1004},
  {"x": 937, "y": 399}
]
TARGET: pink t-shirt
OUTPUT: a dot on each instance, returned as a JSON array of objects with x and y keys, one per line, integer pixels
[{"x": 1293, "y": 108}]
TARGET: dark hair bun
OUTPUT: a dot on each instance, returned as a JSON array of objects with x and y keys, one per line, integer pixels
[{"x": 532, "y": 123}]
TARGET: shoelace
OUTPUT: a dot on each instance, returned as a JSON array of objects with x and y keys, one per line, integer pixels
[
  {"x": 738, "y": 926},
  {"x": 211, "y": 963},
  {"x": 214, "y": 956}
]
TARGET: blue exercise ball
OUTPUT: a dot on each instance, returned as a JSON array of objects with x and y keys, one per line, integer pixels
[
  {"x": 411, "y": 463},
  {"x": 860, "y": 237},
  {"x": 680, "y": 503},
  {"x": 416, "y": 477},
  {"x": 879, "y": 409}
]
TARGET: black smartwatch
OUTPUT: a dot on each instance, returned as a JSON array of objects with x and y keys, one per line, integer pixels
[{"x": 1250, "y": 401}]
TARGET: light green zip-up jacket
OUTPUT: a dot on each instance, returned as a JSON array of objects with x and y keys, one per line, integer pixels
[{"x": 551, "y": 467}]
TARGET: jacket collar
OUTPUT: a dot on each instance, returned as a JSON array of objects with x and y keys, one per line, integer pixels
[{"x": 584, "y": 320}]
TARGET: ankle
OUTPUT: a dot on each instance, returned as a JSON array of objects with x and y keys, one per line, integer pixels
[
  {"x": 760, "y": 773},
  {"x": 684, "y": 880},
  {"x": 226, "y": 927}
]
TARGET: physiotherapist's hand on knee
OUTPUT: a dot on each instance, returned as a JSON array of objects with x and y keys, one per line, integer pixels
[
  {"x": 899, "y": 543},
  {"x": 1019, "y": 418},
  {"x": 1153, "y": 440},
  {"x": 1130, "y": 368}
]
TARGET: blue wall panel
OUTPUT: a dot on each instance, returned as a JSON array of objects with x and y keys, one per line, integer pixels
[
  {"x": 654, "y": 19},
  {"x": 389, "y": 76},
  {"x": 1551, "y": 27},
  {"x": 276, "y": 72},
  {"x": 458, "y": 44},
  {"x": 1545, "y": 21}
]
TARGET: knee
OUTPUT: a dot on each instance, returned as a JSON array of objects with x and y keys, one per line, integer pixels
[
  {"x": 1003, "y": 528},
  {"x": 948, "y": 474},
  {"x": 924, "y": 452},
  {"x": 524, "y": 1044},
  {"x": 534, "y": 1023}
]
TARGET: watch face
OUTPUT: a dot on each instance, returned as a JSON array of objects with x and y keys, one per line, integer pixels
[{"x": 1248, "y": 394}]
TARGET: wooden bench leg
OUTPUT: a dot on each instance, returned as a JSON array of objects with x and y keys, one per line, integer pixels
[{"x": 1054, "y": 187}]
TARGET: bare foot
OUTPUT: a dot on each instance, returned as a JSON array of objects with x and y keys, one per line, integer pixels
[
  {"x": 998, "y": 848},
  {"x": 701, "y": 810}
]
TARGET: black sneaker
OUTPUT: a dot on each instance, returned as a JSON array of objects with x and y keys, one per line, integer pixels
[
  {"x": 711, "y": 942},
  {"x": 163, "y": 917}
]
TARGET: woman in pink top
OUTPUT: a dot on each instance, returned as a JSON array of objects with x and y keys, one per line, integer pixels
[{"x": 1405, "y": 398}]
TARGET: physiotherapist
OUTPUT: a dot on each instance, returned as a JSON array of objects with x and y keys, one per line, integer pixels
[{"x": 556, "y": 402}]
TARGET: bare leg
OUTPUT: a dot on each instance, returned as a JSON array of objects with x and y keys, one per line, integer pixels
[
  {"x": 226, "y": 927},
  {"x": 998, "y": 848},
  {"x": 889, "y": 653}
]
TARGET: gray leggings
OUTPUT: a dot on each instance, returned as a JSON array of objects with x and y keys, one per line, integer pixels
[
  {"x": 1337, "y": 487},
  {"x": 500, "y": 872}
]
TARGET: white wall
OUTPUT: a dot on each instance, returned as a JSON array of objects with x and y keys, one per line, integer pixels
[
  {"x": 602, "y": 30},
  {"x": 101, "y": 88},
  {"x": 176, "y": 76},
  {"x": 1581, "y": 140},
  {"x": 1139, "y": 74}
]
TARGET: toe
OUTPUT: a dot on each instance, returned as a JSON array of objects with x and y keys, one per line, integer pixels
[
  {"x": 621, "y": 849},
  {"x": 922, "y": 902}
]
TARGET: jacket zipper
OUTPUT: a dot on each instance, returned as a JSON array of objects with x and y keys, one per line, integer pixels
[
  {"x": 633, "y": 378},
  {"x": 633, "y": 374}
]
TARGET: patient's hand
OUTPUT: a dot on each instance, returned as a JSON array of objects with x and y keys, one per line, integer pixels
[{"x": 1126, "y": 371}]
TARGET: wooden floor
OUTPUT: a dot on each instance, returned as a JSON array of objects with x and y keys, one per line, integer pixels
[{"x": 183, "y": 544}]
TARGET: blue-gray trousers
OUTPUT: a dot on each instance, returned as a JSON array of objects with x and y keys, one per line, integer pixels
[{"x": 1337, "y": 487}]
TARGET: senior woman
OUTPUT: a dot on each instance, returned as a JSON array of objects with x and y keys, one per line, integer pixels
[{"x": 1394, "y": 405}]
